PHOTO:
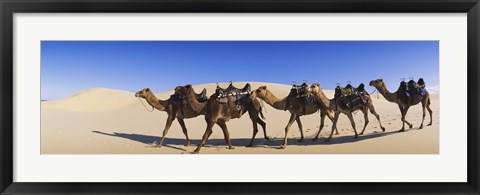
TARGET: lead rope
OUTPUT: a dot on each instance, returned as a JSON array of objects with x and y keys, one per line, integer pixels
[
  {"x": 140, "y": 99},
  {"x": 375, "y": 90}
]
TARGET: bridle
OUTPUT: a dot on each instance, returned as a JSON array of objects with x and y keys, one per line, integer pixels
[{"x": 140, "y": 99}]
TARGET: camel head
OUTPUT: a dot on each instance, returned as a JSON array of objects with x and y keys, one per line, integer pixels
[
  {"x": 377, "y": 83},
  {"x": 143, "y": 93},
  {"x": 315, "y": 88},
  {"x": 261, "y": 92},
  {"x": 183, "y": 90}
]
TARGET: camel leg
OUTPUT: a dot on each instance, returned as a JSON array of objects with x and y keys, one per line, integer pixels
[
  {"x": 334, "y": 126},
  {"x": 322, "y": 120},
  {"x": 429, "y": 111},
  {"x": 226, "y": 134},
  {"x": 255, "y": 130},
  {"x": 289, "y": 124},
  {"x": 207, "y": 134},
  {"x": 256, "y": 110},
  {"x": 329, "y": 115},
  {"x": 410, "y": 125},
  {"x": 365, "y": 117},
  {"x": 170, "y": 119},
  {"x": 350, "y": 116},
  {"x": 404, "y": 112},
  {"x": 184, "y": 129},
  {"x": 299, "y": 123},
  {"x": 372, "y": 110},
  {"x": 424, "y": 105},
  {"x": 403, "y": 122},
  {"x": 264, "y": 127},
  {"x": 208, "y": 137}
]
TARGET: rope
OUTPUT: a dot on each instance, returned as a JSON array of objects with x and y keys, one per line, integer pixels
[
  {"x": 140, "y": 99},
  {"x": 375, "y": 90}
]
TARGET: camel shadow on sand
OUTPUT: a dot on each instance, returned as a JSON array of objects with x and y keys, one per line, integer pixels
[{"x": 259, "y": 142}]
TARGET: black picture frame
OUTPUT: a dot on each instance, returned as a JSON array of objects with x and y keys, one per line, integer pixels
[{"x": 9, "y": 7}]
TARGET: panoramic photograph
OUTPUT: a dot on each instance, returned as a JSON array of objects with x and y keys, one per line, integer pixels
[{"x": 240, "y": 97}]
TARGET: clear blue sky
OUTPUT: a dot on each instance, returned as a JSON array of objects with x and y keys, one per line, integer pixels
[{"x": 71, "y": 66}]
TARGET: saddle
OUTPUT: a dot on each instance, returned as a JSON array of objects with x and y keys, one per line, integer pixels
[
  {"x": 413, "y": 88},
  {"x": 302, "y": 94},
  {"x": 353, "y": 97},
  {"x": 201, "y": 97},
  {"x": 232, "y": 94},
  {"x": 301, "y": 91}
]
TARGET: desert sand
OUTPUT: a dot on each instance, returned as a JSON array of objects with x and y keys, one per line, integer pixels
[{"x": 107, "y": 121}]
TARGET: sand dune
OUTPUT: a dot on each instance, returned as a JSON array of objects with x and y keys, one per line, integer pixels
[
  {"x": 92, "y": 100},
  {"x": 112, "y": 121}
]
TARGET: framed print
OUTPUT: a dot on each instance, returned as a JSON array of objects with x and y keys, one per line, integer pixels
[{"x": 249, "y": 97}]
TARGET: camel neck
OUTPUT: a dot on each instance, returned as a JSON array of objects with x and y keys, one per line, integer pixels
[
  {"x": 156, "y": 103},
  {"x": 324, "y": 100},
  {"x": 194, "y": 103},
  {"x": 274, "y": 101},
  {"x": 391, "y": 97}
]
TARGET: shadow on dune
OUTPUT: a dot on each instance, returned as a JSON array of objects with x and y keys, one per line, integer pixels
[{"x": 259, "y": 142}]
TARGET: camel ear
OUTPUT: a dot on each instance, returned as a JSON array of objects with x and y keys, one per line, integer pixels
[
  {"x": 264, "y": 87},
  {"x": 147, "y": 89},
  {"x": 188, "y": 86},
  {"x": 381, "y": 79}
]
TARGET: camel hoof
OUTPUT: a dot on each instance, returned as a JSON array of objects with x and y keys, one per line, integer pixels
[
  {"x": 283, "y": 146},
  {"x": 249, "y": 146},
  {"x": 267, "y": 138},
  {"x": 187, "y": 144},
  {"x": 360, "y": 133},
  {"x": 356, "y": 136},
  {"x": 421, "y": 127},
  {"x": 401, "y": 130},
  {"x": 383, "y": 129},
  {"x": 196, "y": 151},
  {"x": 300, "y": 140},
  {"x": 429, "y": 124},
  {"x": 337, "y": 133},
  {"x": 410, "y": 126},
  {"x": 327, "y": 140},
  {"x": 157, "y": 146},
  {"x": 315, "y": 139},
  {"x": 230, "y": 147}
]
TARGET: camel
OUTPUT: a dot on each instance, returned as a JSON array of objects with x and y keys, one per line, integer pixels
[
  {"x": 296, "y": 110},
  {"x": 174, "y": 108},
  {"x": 339, "y": 105},
  {"x": 220, "y": 113},
  {"x": 403, "y": 101}
]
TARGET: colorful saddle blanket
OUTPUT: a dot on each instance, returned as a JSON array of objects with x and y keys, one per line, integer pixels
[{"x": 414, "y": 88}]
